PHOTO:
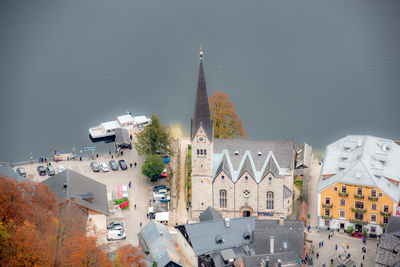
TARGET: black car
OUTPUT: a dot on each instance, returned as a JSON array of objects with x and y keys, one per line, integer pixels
[
  {"x": 50, "y": 170},
  {"x": 21, "y": 172},
  {"x": 122, "y": 164},
  {"x": 113, "y": 165},
  {"x": 41, "y": 170},
  {"x": 158, "y": 187}
]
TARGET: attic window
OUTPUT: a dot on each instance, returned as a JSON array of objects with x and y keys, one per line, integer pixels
[
  {"x": 246, "y": 235},
  {"x": 270, "y": 179},
  {"x": 259, "y": 153},
  {"x": 344, "y": 158},
  {"x": 222, "y": 177},
  {"x": 219, "y": 239},
  {"x": 246, "y": 178},
  {"x": 236, "y": 153}
]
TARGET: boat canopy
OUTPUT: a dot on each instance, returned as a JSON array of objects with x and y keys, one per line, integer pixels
[
  {"x": 110, "y": 125},
  {"x": 125, "y": 119},
  {"x": 141, "y": 120}
]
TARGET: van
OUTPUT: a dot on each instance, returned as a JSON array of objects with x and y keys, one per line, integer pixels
[
  {"x": 115, "y": 235},
  {"x": 124, "y": 191}
]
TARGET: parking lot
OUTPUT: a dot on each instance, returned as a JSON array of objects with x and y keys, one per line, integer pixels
[{"x": 140, "y": 192}]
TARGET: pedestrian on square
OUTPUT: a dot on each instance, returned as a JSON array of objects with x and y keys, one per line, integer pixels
[
  {"x": 317, "y": 255},
  {"x": 130, "y": 183},
  {"x": 135, "y": 206},
  {"x": 335, "y": 246},
  {"x": 112, "y": 156},
  {"x": 319, "y": 244},
  {"x": 322, "y": 243},
  {"x": 130, "y": 165},
  {"x": 323, "y": 264},
  {"x": 329, "y": 236},
  {"x": 347, "y": 245},
  {"x": 135, "y": 164},
  {"x": 140, "y": 224},
  {"x": 109, "y": 153},
  {"x": 308, "y": 227},
  {"x": 361, "y": 265},
  {"x": 364, "y": 257}
]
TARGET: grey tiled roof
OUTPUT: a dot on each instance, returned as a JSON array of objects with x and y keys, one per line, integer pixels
[
  {"x": 253, "y": 156},
  {"x": 202, "y": 235},
  {"x": 6, "y": 170},
  {"x": 76, "y": 186},
  {"x": 210, "y": 214},
  {"x": 289, "y": 258},
  {"x": 389, "y": 242},
  {"x": 291, "y": 233},
  {"x": 362, "y": 160},
  {"x": 159, "y": 243}
]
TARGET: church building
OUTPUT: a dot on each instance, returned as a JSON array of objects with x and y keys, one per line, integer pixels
[{"x": 238, "y": 177}]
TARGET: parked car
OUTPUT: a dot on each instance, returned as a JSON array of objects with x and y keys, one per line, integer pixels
[
  {"x": 104, "y": 167},
  {"x": 112, "y": 224},
  {"x": 21, "y": 172},
  {"x": 61, "y": 168},
  {"x": 124, "y": 191},
  {"x": 115, "y": 235},
  {"x": 50, "y": 170},
  {"x": 122, "y": 164},
  {"x": 95, "y": 166},
  {"x": 113, "y": 165},
  {"x": 163, "y": 174},
  {"x": 158, "y": 187},
  {"x": 117, "y": 227},
  {"x": 41, "y": 170}
]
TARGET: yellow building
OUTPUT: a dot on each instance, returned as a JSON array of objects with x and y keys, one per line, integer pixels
[{"x": 359, "y": 184}]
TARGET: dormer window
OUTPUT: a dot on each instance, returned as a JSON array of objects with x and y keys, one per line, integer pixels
[
  {"x": 246, "y": 178},
  {"x": 259, "y": 153},
  {"x": 236, "y": 153}
]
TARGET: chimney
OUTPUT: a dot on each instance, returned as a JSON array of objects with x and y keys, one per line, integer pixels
[
  {"x": 227, "y": 223},
  {"x": 282, "y": 220},
  {"x": 271, "y": 245}
]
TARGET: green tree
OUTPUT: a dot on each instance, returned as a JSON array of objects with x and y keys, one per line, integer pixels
[
  {"x": 154, "y": 139},
  {"x": 153, "y": 166}
]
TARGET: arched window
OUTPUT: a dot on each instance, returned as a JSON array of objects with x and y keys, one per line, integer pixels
[
  {"x": 198, "y": 151},
  {"x": 222, "y": 198},
  {"x": 201, "y": 151},
  {"x": 270, "y": 200},
  {"x": 205, "y": 152}
]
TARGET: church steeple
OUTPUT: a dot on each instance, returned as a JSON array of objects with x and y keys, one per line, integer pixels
[{"x": 201, "y": 115}]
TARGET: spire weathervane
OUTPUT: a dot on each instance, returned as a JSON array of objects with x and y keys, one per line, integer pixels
[{"x": 201, "y": 52}]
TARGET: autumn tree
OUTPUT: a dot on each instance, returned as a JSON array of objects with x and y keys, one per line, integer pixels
[
  {"x": 227, "y": 124},
  {"x": 154, "y": 139},
  {"x": 129, "y": 255}
]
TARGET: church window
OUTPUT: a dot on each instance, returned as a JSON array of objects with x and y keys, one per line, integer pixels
[
  {"x": 246, "y": 178},
  {"x": 222, "y": 198},
  {"x": 205, "y": 152},
  {"x": 201, "y": 151},
  {"x": 223, "y": 177},
  {"x": 198, "y": 151},
  {"x": 270, "y": 200}
]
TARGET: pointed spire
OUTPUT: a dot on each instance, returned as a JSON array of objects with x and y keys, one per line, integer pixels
[{"x": 201, "y": 109}]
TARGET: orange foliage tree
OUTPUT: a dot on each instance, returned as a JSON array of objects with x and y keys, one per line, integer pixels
[
  {"x": 227, "y": 124},
  {"x": 38, "y": 230},
  {"x": 129, "y": 255}
]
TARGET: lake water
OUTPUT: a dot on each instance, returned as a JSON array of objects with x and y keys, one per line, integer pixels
[{"x": 313, "y": 71}]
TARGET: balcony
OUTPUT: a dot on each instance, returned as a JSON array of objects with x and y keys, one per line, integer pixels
[
  {"x": 358, "y": 221},
  {"x": 386, "y": 213},
  {"x": 372, "y": 198},
  {"x": 358, "y": 196},
  {"x": 358, "y": 210},
  {"x": 341, "y": 194},
  {"x": 326, "y": 217},
  {"x": 327, "y": 206}
]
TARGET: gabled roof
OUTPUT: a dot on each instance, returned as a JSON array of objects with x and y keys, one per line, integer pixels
[
  {"x": 210, "y": 214},
  {"x": 257, "y": 157},
  {"x": 201, "y": 115},
  {"x": 203, "y": 235},
  {"x": 6, "y": 170},
  {"x": 159, "y": 243},
  {"x": 83, "y": 190},
  {"x": 363, "y": 160},
  {"x": 389, "y": 243}
]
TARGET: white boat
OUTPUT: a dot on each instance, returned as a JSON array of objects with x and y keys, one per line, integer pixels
[{"x": 107, "y": 129}]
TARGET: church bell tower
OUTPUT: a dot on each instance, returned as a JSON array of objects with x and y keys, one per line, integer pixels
[{"x": 201, "y": 137}]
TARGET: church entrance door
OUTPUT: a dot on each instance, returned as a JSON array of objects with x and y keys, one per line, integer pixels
[{"x": 246, "y": 213}]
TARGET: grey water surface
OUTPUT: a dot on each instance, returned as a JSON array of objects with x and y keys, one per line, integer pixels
[{"x": 312, "y": 70}]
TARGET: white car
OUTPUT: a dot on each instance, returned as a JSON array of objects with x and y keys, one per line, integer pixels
[
  {"x": 61, "y": 168},
  {"x": 104, "y": 167}
]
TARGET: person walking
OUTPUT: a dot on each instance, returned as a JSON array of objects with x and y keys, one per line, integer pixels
[
  {"x": 308, "y": 227},
  {"x": 135, "y": 164},
  {"x": 130, "y": 183},
  {"x": 140, "y": 224},
  {"x": 329, "y": 236},
  {"x": 364, "y": 257},
  {"x": 317, "y": 255},
  {"x": 130, "y": 165},
  {"x": 347, "y": 245},
  {"x": 335, "y": 246},
  {"x": 135, "y": 206},
  {"x": 322, "y": 243}
]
